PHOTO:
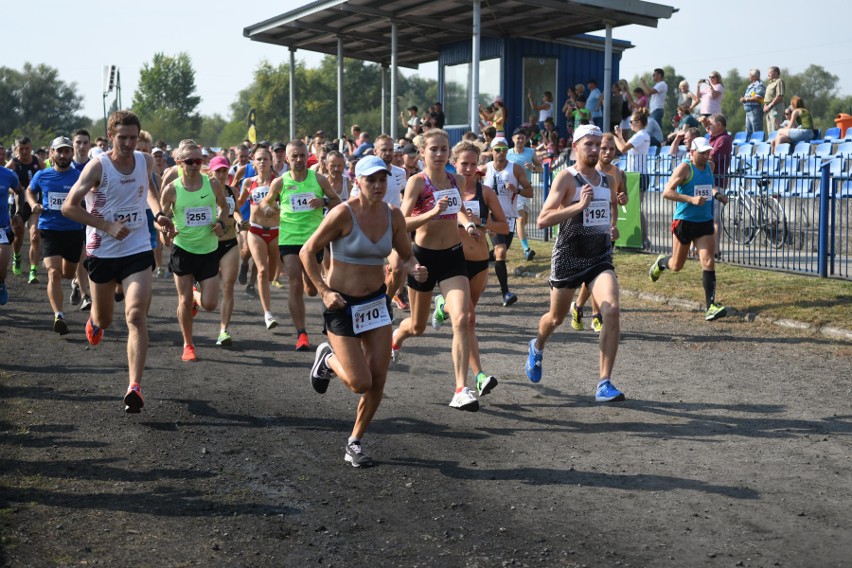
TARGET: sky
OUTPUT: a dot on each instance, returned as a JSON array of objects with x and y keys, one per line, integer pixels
[{"x": 701, "y": 37}]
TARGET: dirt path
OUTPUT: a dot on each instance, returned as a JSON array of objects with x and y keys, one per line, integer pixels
[{"x": 732, "y": 449}]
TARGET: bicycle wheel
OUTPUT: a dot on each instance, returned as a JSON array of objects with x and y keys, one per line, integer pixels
[
  {"x": 773, "y": 222},
  {"x": 737, "y": 220}
]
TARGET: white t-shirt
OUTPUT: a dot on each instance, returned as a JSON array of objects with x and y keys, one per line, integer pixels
[
  {"x": 396, "y": 184},
  {"x": 545, "y": 113},
  {"x": 658, "y": 99},
  {"x": 637, "y": 156}
]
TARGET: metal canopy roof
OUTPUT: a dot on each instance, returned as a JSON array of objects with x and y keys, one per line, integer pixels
[{"x": 425, "y": 25}]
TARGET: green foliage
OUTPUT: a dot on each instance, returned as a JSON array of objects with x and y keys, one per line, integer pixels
[
  {"x": 36, "y": 103},
  {"x": 165, "y": 100}
]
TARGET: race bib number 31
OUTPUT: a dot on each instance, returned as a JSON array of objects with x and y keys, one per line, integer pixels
[
  {"x": 453, "y": 200},
  {"x": 596, "y": 214},
  {"x": 370, "y": 315},
  {"x": 299, "y": 202},
  {"x": 198, "y": 216}
]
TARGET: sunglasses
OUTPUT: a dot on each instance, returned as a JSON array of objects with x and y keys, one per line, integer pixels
[
  {"x": 500, "y": 149},
  {"x": 193, "y": 161}
]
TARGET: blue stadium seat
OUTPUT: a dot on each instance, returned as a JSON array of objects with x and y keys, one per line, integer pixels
[
  {"x": 782, "y": 149},
  {"x": 832, "y": 134},
  {"x": 740, "y": 138},
  {"x": 772, "y": 136},
  {"x": 823, "y": 149},
  {"x": 762, "y": 149},
  {"x": 652, "y": 150},
  {"x": 845, "y": 149},
  {"x": 802, "y": 149},
  {"x": 744, "y": 150},
  {"x": 757, "y": 136}
]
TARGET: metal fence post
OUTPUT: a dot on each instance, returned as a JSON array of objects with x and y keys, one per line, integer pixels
[
  {"x": 545, "y": 178},
  {"x": 824, "y": 200}
]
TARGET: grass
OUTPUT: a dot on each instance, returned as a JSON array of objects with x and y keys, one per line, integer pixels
[{"x": 817, "y": 301}]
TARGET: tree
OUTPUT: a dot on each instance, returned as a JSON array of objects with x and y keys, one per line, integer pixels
[{"x": 165, "y": 100}]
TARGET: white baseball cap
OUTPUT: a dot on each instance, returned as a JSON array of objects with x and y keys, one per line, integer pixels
[{"x": 700, "y": 145}]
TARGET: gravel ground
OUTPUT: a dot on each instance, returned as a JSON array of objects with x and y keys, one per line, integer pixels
[{"x": 732, "y": 448}]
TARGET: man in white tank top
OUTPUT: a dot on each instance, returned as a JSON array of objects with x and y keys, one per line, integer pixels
[{"x": 117, "y": 186}]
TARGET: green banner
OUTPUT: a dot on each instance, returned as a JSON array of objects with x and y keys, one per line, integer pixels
[{"x": 629, "y": 221}]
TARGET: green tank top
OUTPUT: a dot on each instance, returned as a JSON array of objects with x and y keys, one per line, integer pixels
[
  {"x": 195, "y": 214},
  {"x": 805, "y": 119},
  {"x": 298, "y": 220}
]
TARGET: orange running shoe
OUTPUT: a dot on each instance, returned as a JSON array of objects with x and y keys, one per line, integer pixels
[
  {"x": 93, "y": 333},
  {"x": 133, "y": 401},
  {"x": 189, "y": 353},
  {"x": 302, "y": 343}
]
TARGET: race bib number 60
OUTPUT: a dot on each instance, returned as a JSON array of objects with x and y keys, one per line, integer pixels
[
  {"x": 370, "y": 315},
  {"x": 454, "y": 200}
]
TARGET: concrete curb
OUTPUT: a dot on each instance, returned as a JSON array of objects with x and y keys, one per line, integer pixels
[{"x": 830, "y": 331}]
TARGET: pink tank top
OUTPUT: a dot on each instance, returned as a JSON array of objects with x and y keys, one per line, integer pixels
[{"x": 426, "y": 201}]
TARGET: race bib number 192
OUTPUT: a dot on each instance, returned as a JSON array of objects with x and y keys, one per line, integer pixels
[{"x": 596, "y": 213}]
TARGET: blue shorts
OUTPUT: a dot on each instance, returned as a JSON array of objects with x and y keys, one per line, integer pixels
[
  {"x": 152, "y": 229},
  {"x": 801, "y": 135}
]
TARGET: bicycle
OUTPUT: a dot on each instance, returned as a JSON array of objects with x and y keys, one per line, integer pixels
[{"x": 745, "y": 216}]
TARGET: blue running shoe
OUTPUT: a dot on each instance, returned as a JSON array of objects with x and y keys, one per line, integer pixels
[
  {"x": 608, "y": 393},
  {"x": 533, "y": 366},
  {"x": 4, "y": 294}
]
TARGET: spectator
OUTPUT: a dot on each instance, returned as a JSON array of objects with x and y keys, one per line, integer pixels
[
  {"x": 352, "y": 142},
  {"x": 639, "y": 99},
  {"x": 710, "y": 92},
  {"x": 753, "y": 100},
  {"x": 364, "y": 144},
  {"x": 545, "y": 109},
  {"x": 616, "y": 105},
  {"x": 594, "y": 102},
  {"x": 657, "y": 94},
  {"x": 801, "y": 128},
  {"x": 683, "y": 121},
  {"x": 683, "y": 138},
  {"x": 497, "y": 117},
  {"x": 687, "y": 97},
  {"x": 655, "y": 131},
  {"x": 437, "y": 116},
  {"x": 412, "y": 123},
  {"x": 787, "y": 113},
  {"x": 723, "y": 145},
  {"x": 774, "y": 99},
  {"x": 581, "y": 115},
  {"x": 637, "y": 159}
]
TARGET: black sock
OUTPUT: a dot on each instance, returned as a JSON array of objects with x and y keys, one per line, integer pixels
[
  {"x": 301, "y": 331},
  {"x": 502, "y": 275},
  {"x": 708, "y": 279},
  {"x": 664, "y": 263}
]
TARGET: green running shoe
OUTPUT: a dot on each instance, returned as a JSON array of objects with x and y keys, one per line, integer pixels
[
  {"x": 655, "y": 271},
  {"x": 715, "y": 311},
  {"x": 576, "y": 317},
  {"x": 597, "y": 322},
  {"x": 33, "y": 279},
  {"x": 16, "y": 265},
  {"x": 485, "y": 384},
  {"x": 225, "y": 339},
  {"x": 439, "y": 316}
]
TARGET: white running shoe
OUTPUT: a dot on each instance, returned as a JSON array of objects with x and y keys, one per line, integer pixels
[
  {"x": 464, "y": 400},
  {"x": 270, "y": 321}
]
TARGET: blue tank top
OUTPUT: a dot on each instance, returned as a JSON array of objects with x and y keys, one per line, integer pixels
[
  {"x": 699, "y": 183},
  {"x": 54, "y": 187},
  {"x": 358, "y": 248}
]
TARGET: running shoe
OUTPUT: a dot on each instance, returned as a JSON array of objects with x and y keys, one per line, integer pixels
[
  {"x": 225, "y": 339},
  {"x": 4, "y": 294},
  {"x": 33, "y": 279},
  {"x": 321, "y": 372},
  {"x": 715, "y": 311},
  {"x": 133, "y": 401},
  {"x": 534, "y": 360},
  {"x": 16, "y": 265},
  {"x": 277, "y": 284},
  {"x": 59, "y": 325},
  {"x": 529, "y": 254},
  {"x": 86, "y": 304},
  {"x": 394, "y": 348},
  {"x": 509, "y": 299},
  {"x": 270, "y": 321},
  {"x": 189, "y": 354},
  {"x": 438, "y": 316},
  {"x": 464, "y": 400},
  {"x": 356, "y": 456},
  {"x": 76, "y": 292},
  {"x": 302, "y": 343},
  {"x": 251, "y": 290},
  {"x": 655, "y": 271},
  {"x": 485, "y": 384},
  {"x": 607, "y": 392},
  {"x": 597, "y": 322},
  {"x": 243, "y": 276},
  {"x": 93, "y": 333},
  {"x": 160, "y": 272},
  {"x": 576, "y": 317},
  {"x": 400, "y": 302},
  {"x": 119, "y": 297}
]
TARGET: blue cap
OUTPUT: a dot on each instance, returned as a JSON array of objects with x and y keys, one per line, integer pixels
[{"x": 369, "y": 165}]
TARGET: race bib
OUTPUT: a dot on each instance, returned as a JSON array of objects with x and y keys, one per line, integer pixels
[
  {"x": 370, "y": 315},
  {"x": 299, "y": 202},
  {"x": 231, "y": 205},
  {"x": 197, "y": 216},
  {"x": 258, "y": 194},
  {"x": 454, "y": 200},
  {"x": 473, "y": 207},
  {"x": 596, "y": 214},
  {"x": 133, "y": 218},
  {"x": 511, "y": 221},
  {"x": 55, "y": 200},
  {"x": 704, "y": 191}
]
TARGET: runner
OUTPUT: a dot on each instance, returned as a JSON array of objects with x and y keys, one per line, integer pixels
[
  {"x": 433, "y": 209},
  {"x": 484, "y": 209},
  {"x": 509, "y": 181},
  {"x": 116, "y": 186},
  {"x": 25, "y": 165},
  {"x": 357, "y": 308},
  {"x": 61, "y": 238},
  {"x": 8, "y": 187},
  {"x": 605, "y": 166},
  {"x": 525, "y": 157},
  {"x": 583, "y": 203},
  {"x": 262, "y": 234},
  {"x": 691, "y": 187},
  {"x": 228, "y": 252},
  {"x": 298, "y": 197},
  {"x": 192, "y": 200},
  {"x": 145, "y": 144},
  {"x": 80, "y": 290}
]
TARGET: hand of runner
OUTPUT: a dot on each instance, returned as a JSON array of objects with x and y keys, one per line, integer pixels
[
  {"x": 621, "y": 198},
  {"x": 118, "y": 230},
  {"x": 698, "y": 200},
  {"x": 217, "y": 229},
  {"x": 420, "y": 273},
  {"x": 440, "y": 206},
  {"x": 333, "y": 300},
  {"x": 586, "y": 195},
  {"x": 167, "y": 226},
  {"x": 316, "y": 203},
  {"x": 613, "y": 233}
]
